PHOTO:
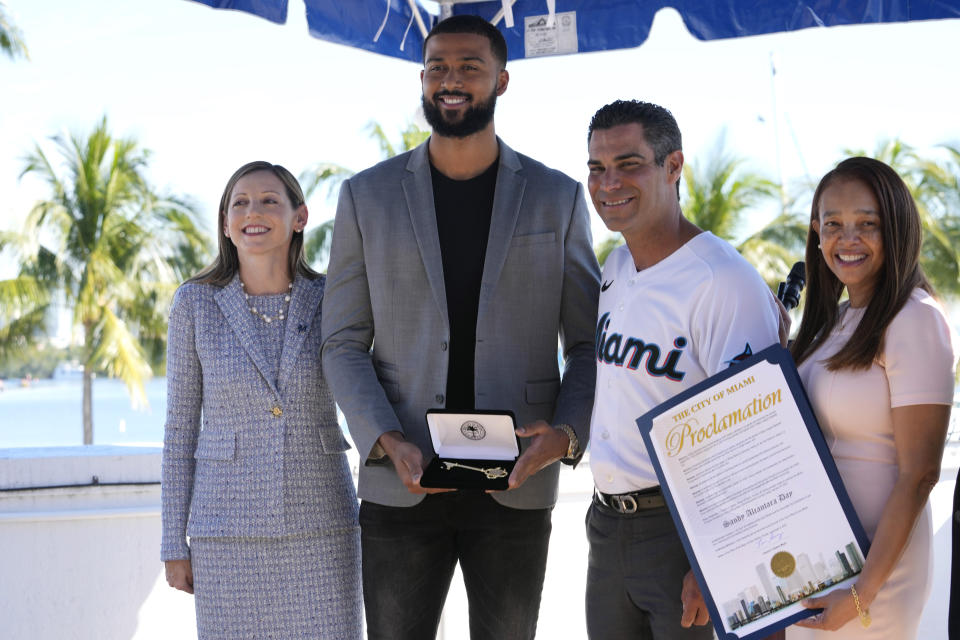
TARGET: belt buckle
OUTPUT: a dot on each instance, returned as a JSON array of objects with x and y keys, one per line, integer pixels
[{"x": 624, "y": 503}]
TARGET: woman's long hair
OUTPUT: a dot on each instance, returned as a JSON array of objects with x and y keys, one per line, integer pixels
[
  {"x": 899, "y": 274},
  {"x": 227, "y": 264}
]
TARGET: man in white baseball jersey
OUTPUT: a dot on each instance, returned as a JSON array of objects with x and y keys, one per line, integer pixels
[{"x": 677, "y": 305}]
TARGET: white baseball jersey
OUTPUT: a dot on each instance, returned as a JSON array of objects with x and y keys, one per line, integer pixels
[{"x": 662, "y": 330}]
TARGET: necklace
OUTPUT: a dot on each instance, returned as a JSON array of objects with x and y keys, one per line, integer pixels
[{"x": 281, "y": 314}]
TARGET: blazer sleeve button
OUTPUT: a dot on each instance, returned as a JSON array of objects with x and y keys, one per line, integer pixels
[
  {"x": 439, "y": 398},
  {"x": 276, "y": 411}
]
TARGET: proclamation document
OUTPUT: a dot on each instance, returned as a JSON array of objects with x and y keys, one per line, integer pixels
[{"x": 755, "y": 495}]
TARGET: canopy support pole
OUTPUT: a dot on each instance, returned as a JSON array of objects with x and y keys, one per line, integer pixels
[
  {"x": 416, "y": 16},
  {"x": 505, "y": 14}
]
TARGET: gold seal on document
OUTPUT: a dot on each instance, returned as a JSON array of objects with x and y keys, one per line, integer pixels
[{"x": 782, "y": 564}]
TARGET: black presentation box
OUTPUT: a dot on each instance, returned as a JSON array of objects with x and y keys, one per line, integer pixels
[{"x": 475, "y": 450}]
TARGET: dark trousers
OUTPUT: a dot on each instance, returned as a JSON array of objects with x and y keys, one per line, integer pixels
[
  {"x": 409, "y": 555},
  {"x": 634, "y": 577}
]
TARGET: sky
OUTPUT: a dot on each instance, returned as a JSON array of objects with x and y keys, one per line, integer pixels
[{"x": 209, "y": 90}]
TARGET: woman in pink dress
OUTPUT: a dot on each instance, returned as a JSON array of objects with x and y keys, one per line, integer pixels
[{"x": 878, "y": 369}]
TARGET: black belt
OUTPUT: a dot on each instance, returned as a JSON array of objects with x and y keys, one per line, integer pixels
[{"x": 631, "y": 502}]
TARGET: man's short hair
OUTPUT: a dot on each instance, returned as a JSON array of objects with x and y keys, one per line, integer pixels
[
  {"x": 468, "y": 23},
  {"x": 659, "y": 126}
]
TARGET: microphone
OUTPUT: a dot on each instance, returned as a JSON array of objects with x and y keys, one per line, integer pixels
[{"x": 789, "y": 292}]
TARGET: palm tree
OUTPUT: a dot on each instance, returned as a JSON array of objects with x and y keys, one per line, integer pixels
[
  {"x": 112, "y": 250},
  {"x": 719, "y": 192},
  {"x": 935, "y": 186},
  {"x": 11, "y": 39},
  {"x": 330, "y": 176},
  {"x": 939, "y": 191},
  {"x": 22, "y": 312}
]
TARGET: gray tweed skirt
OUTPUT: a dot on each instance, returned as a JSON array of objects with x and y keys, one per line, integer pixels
[{"x": 299, "y": 586}]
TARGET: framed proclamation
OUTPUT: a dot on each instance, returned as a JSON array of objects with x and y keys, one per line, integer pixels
[{"x": 755, "y": 495}]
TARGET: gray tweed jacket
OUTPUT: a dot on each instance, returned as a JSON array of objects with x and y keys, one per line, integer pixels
[
  {"x": 244, "y": 455},
  {"x": 385, "y": 322}
]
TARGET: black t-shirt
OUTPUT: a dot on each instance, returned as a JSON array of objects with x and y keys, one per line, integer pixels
[{"x": 463, "y": 209}]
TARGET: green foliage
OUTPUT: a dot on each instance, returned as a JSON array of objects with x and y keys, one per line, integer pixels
[
  {"x": 35, "y": 360},
  {"x": 605, "y": 246},
  {"x": 720, "y": 191},
  {"x": 935, "y": 184},
  {"x": 776, "y": 247},
  {"x": 20, "y": 322},
  {"x": 316, "y": 245},
  {"x": 111, "y": 249},
  {"x": 11, "y": 38},
  {"x": 330, "y": 176},
  {"x": 410, "y": 138},
  {"x": 327, "y": 175},
  {"x": 719, "y": 194},
  {"x": 24, "y": 302}
]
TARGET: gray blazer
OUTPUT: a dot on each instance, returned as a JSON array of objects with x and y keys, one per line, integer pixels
[
  {"x": 234, "y": 476},
  {"x": 385, "y": 290}
]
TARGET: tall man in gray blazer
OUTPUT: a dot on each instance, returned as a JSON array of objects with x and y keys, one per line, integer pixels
[{"x": 454, "y": 268}]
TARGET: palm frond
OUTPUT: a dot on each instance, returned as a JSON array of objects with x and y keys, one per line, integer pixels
[
  {"x": 375, "y": 131},
  {"x": 325, "y": 174},
  {"x": 17, "y": 334},
  {"x": 605, "y": 246},
  {"x": 24, "y": 301},
  {"x": 11, "y": 37},
  {"x": 22, "y": 293},
  {"x": 316, "y": 245},
  {"x": 719, "y": 191},
  {"x": 788, "y": 230},
  {"x": 771, "y": 261},
  {"x": 119, "y": 354},
  {"x": 413, "y": 136}
]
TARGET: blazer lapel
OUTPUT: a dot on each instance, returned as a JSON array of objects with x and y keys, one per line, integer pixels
[
  {"x": 418, "y": 190},
  {"x": 503, "y": 221},
  {"x": 304, "y": 304},
  {"x": 235, "y": 309}
]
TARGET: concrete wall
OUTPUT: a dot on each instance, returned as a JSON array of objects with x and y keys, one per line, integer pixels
[
  {"x": 80, "y": 547},
  {"x": 79, "y": 559}
]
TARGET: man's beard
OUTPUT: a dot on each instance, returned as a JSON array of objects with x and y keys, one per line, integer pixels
[{"x": 474, "y": 119}]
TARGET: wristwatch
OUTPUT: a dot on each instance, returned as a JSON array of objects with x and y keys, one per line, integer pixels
[{"x": 573, "y": 449}]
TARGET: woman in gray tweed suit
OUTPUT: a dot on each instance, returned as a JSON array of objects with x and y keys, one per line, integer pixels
[{"x": 254, "y": 471}]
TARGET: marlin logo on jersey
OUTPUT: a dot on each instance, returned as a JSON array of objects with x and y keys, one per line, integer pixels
[
  {"x": 614, "y": 349},
  {"x": 740, "y": 357}
]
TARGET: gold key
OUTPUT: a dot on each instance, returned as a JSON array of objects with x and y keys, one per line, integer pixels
[{"x": 492, "y": 473}]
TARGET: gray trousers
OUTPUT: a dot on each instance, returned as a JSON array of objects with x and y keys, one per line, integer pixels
[{"x": 634, "y": 577}]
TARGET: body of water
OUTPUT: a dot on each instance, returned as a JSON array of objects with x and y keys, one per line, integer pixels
[{"x": 50, "y": 413}]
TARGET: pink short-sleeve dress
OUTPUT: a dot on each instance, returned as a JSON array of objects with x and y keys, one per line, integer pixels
[{"x": 854, "y": 411}]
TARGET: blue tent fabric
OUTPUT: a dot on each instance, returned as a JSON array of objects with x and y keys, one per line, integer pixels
[
  {"x": 370, "y": 25},
  {"x": 272, "y": 10},
  {"x": 389, "y": 27}
]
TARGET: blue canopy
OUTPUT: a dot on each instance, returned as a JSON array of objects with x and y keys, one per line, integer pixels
[{"x": 536, "y": 28}]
